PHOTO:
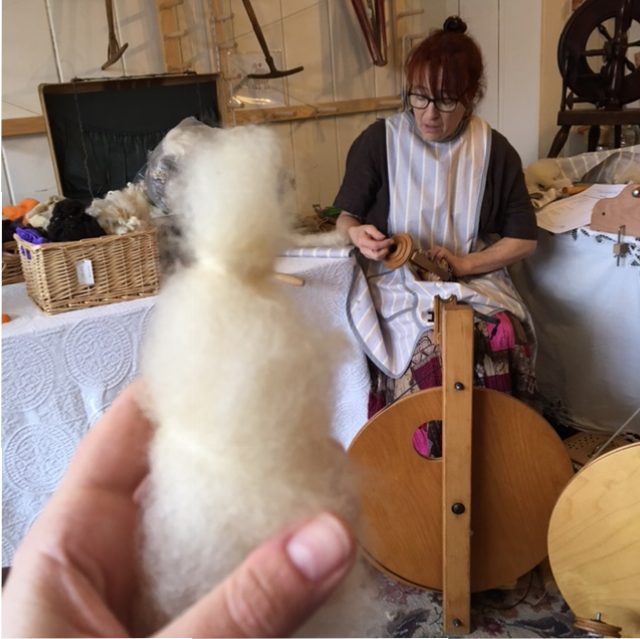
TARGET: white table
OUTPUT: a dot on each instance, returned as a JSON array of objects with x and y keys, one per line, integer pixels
[
  {"x": 60, "y": 373},
  {"x": 586, "y": 311}
]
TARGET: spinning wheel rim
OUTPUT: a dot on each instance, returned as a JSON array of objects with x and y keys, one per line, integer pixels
[
  {"x": 594, "y": 540},
  {"x": 585, "y": 83}
]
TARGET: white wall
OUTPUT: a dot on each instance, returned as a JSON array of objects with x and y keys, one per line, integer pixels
[
  {"x": 54, "y": 41},
  {"x": 512, "y": 61},
  {"x": 554, "y": 16},
  {"x": 323, "y": 35}
]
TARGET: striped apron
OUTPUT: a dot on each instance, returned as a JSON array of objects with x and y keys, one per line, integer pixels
[{"x": 436, "y": 192}]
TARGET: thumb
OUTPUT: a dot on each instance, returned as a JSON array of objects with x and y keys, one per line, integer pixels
[
  {"x": 374, "y": 232},
  {"x": 277, "y": 587}
]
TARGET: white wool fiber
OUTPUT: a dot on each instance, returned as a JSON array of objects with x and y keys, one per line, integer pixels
[
  {"x": 230, "y": 199},
  {"x": 239, "y": 392}
]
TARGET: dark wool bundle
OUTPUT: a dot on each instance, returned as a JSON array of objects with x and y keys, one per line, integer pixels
[
  {"x": 69, "y": 222},
  {"x": 8, "y": 228}
]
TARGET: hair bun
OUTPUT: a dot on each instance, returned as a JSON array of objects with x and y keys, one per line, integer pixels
[{"x": 454, "y": 24}]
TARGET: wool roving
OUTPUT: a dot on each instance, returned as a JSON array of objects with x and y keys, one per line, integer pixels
[{"x": 239, "y": 391}]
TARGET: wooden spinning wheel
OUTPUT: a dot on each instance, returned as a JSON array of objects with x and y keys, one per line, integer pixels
[
  {"x": 617, "y": 81},
  {"x": 603, "y": 74},
  {"x": 477, "y": 517},
  {"x": 519, "y": 467},
  {"x": 594, "y": 543}
]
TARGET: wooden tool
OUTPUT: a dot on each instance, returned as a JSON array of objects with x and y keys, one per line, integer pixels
[
  {"x": 610, "y": 213},
  {"x": 273, "y": 71},
  {"x": 373, "y": 28},
  {"x": 417, "y": 511},
  {"x": 574, "y": 189},
  {"x": 287, "y": 278},
  {"x": 594, "y": 542},
  {"x": 597, "y": 627},
  {"x": 403, "y": 250},
  {"x": 115, "y": 51}
]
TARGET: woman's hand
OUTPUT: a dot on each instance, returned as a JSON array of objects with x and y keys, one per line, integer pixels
[
  {"x": 505, "y": 251},
  {"x": 371, "y": 242},
  {"x": 74, "y": 575},
  {"x": 457, "y": 263}
]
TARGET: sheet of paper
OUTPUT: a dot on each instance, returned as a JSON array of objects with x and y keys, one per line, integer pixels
[{"x": 575, "y": 211}]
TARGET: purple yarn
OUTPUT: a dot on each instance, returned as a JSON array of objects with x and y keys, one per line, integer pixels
[{"x": 30, "y": 235}]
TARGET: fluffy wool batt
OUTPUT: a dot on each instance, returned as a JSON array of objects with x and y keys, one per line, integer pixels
[
  {"x": 123, "y": 211},
  {"x": 546, "y": 174},
  {"x": 40, "y": 215},
  {"x": 239, "y": 391}
]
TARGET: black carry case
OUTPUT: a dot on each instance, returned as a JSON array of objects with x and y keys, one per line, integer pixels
[{"x": 101, "y": 130}]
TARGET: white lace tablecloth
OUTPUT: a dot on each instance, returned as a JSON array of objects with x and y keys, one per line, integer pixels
[{"x": 60, "y": 373}]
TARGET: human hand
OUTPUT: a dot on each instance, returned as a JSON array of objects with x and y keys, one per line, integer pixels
[
  {"x": 372, "y": 243},
  {"x": 75, "y": 573},
  {"x": 456, "y": 262},
  {"x": 505, "y": 251}
]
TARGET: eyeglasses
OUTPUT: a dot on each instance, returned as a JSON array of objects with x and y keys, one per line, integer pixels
[{"x": 419, "y": 101}]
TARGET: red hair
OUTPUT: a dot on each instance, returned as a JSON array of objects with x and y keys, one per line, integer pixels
[{"x": 451, "y": 62}]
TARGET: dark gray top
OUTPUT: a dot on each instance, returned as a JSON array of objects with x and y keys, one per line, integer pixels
[{"x": 506, "y": 208}]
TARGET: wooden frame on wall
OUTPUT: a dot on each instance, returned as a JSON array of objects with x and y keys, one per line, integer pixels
[{"x": 15, "y": 127}]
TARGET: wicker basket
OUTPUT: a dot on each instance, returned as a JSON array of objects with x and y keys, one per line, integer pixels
[
  {"x": 64, "y": 276},
  {"x": 11, "y": 268}
]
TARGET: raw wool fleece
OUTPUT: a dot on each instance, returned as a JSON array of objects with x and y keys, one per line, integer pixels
[
  {"x": 545, "y": 180},
  {"x": 239, "y": 389},
  {"x": 123, "y": 211}
]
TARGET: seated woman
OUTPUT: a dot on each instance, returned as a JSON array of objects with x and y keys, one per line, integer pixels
[{"x": 441, "y": 174}]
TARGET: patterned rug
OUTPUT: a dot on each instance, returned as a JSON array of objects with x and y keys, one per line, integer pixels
[{"x": 528, "y": 610}]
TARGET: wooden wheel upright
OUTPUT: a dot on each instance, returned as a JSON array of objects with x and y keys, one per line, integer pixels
[{"x": 476, "y": 518}]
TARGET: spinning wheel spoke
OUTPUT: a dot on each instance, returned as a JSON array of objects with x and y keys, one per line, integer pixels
[
  {"x": 629, "y": 65},
  {"x": 603, "y": 31}
]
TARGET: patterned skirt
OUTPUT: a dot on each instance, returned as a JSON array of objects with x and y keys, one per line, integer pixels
[{"x": 503, "y": 361}]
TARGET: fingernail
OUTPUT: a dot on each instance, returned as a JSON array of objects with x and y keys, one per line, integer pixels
[{"x": 320, "y": 547}]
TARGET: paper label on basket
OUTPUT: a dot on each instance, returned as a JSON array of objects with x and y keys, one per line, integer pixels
[{"x": 84, "y": 271}]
